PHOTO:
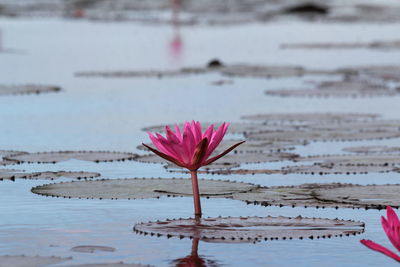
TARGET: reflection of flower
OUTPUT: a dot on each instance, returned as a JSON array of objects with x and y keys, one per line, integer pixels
[
  {"x": 191, "y": 149},
  {"x": 391, "y": 225},
  {"x": 194, "y": 260}
]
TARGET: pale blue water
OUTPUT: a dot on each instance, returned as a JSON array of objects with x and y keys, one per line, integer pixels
[{"x": 107, "y": 114}]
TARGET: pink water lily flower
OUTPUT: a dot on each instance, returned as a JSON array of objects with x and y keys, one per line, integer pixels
[
  {"x": 391, "y": 226},
  {"x": 191, "y": 149}
]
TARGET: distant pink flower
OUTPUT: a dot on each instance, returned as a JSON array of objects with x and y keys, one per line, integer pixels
[
  {"x": 391, "y": 225},
  {"x": 191, "y": 149}
]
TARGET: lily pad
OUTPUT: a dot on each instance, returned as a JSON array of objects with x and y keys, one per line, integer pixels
[
  {"x": 251, "y": 146},
  {"x": 320, "y": 118},
  {"x": 383, "y": 73},
  {"x": 263, "y": 71},
  {"x": 139, "y": 188},
  {"x": 30, "y": 261},
  {"x": 323, "y": 135},
  {"x": 333, "y": 195},
  {"x": 92, "y": 249},
  {"x": 8, "y": 153},
  {"x": 250, "y": 229},
  {"x": 27, "y": 89},
  {"x": 352, "y": 88},
  {"x": 234, "y": 127},
  {"x": 229, "y": 161},
  {"x": 6, "y": 174},
  {"x": 331, "y": 168},
  {"x": 354, "y": 159},
  {"x": 54, "y": 157},
  {"x": 369, "y": 45},
  {"x": 372, "y": 149}
]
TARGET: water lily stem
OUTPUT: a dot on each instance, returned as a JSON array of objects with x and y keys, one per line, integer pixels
[{"x": 196, "y": 194}]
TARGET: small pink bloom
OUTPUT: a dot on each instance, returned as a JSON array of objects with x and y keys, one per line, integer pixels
[
  {"x": 391, "y": 226},
  {"x": 191, "y": 148}
]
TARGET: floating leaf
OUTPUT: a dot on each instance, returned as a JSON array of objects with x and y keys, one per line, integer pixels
[
  {"x": 27, "y": 89},
  {"x": 139, "y": 188},
  {"x": 311, "y": 118},
  {"x": 8, "y": 153},
  {"x": 92, "y": 249},
  {"x": 230, "y": 160},
  {"x": 370, "y": 45},
  {"x": 332, "y": 168},
  {"x": 253, "y": 146},
  {"x": 372, "y": 149},
  {"x": 323, "y": 135},
  {"x": 345, "y": 88},
  {"x": 6, "y": 174},
  {"x": 250, "y": 229},
  {"x": 354, "y": 159},
  {"x": 333, "y": 195},
  {"x": 54, "y": 157}
]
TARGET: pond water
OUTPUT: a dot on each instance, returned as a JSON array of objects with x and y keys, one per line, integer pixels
[{"x": 108, "y": 114}]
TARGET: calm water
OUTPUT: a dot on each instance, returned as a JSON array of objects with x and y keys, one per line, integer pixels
[{"x": 107, "y": 114}]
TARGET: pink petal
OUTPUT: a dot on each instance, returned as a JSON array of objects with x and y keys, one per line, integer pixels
[
  {"x": 171, "y": 135},
  {"x": 374, "y": 246},
  {"x": 391, "y": 216},
  {"x": 198, "y": 132},
  {"x": 391, "y": 227},
  {"x": 216, "y": 139},
  {"x": 178, "y": 133},
  {"x": 158, "y": 144},
  {"x": 209, "y": 132},
  {"x": 189, "y": 140}
]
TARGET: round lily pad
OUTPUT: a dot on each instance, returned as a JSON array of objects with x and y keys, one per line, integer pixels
[
  {"x": 7, "y": 153},
  {"x": 234, "y": 127},
  {"x": 352, "y": 90},
  {"x": 251, "y": 146},
  {"x": 354, "y": 159},
  {"x": 324, "y": 135},
  {"x": 384, "y": 73},
  {"x": 333, "y": 195},
  {"x": 263, "y": 71},
  {"x": 331, "y": 168},
  {"x": 139, "y": 188},
  {"x": 250, "y": 229},
  {"x": 372, "y": 149},
  {"x": 30, "y": 261},
  {"x": 54, "y": 157},
  {"x": 369, "y": 45},
  {"x": 6, "y": 174},
  {"x": 27, "y": 89},
  {"x": 320, "y": 118},
  {"x": 92, "y": 249},
  {"x": 230, "y": 160}
]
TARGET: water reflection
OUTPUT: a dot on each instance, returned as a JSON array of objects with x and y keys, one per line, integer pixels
[
  {"x": 176, "y": 43},
  {"x": 194, "y": 260}
]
